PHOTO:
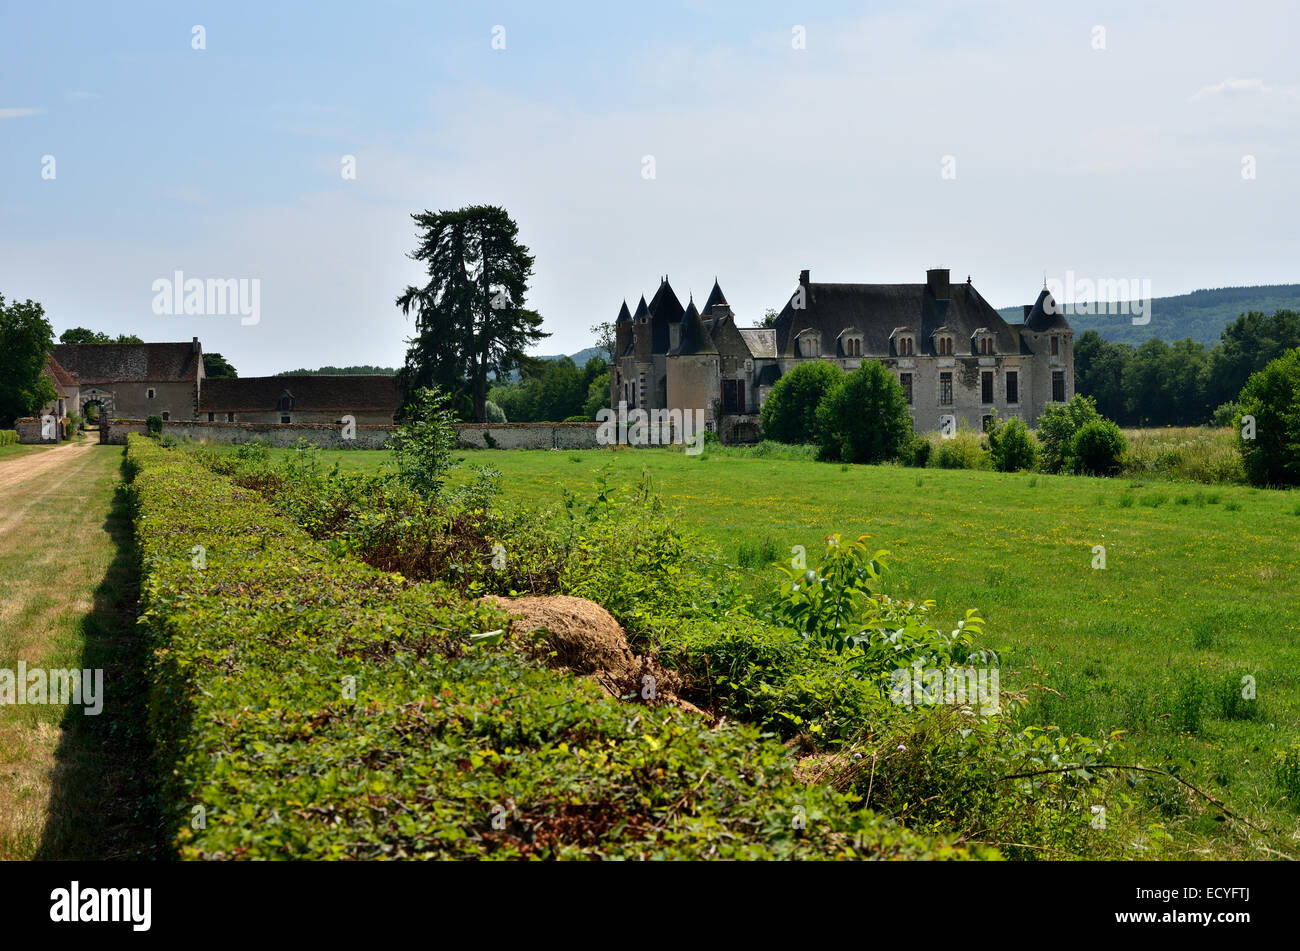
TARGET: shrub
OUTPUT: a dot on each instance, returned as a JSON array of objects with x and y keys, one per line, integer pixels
[
  {"x": 579, "y": 418},
  {"x": 790, "y": 412},
  {"x": 154, "y": 424},
  {"x": 1225, "y": 415},
  {"x": 916, "y": 452},
  {"x": 495, "y": 414},
  {"x": 423, "y": 445},
  {"x": 1057, "y": 427},
  {"x": 1098, "y": 448},
  {"x": 1272, "y": 397},
  {"x": 316, "y": 708},
  {"x": 8, "y": 437},
  {"x": 964, "y": 450},
  {"x": 1012, "y": 446},
  {"x": 865, "y": 417}
]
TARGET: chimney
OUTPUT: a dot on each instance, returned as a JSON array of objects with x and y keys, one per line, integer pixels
[
  {"x": 936, "y": 280},
  {"x": 195, "y": 345},
  {"x": 674, "y": 335},
  {"x": 1028, "y": 310},
  {"x": 803, "y": 278}
]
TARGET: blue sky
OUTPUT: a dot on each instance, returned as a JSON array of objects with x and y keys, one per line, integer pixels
[{"x": 1122, "y": 162}]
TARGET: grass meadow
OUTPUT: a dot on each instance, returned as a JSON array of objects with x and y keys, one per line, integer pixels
[{"x": 1196, "y": 594}]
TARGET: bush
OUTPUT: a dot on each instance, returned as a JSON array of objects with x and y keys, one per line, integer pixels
[
  {"x": 1098, "y": 448},
  {"x": 579, "y": 418},
  {"x": 8, "y": 437},
  {"x": 965, "y": 450},
  {"x": 1272, "y": 398},
  {"x": 1057, "y": 427},
  {"x": 1225, "y": 415},
  {"x": 315, "y": 708},
  {"x": 154, "y": 424},
  {"x": 865, "y": 417},
  {"x": 424, "y": 444},
  {"x": 917, "y": 452},
  {"x": 1012, "y": 446},
  {"x": 790, "y": 412},
  {"x": 495, "y": 414}
]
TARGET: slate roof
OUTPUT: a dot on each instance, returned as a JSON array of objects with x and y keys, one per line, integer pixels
[
  {"x": 320, "y": 393},
  {"x": 664, "y": 309},
  {"x": 715, "y": 297},
  {"x": 624, "y": 316},
  {"x": 760, "y": 340},
  {"x": 1046, "y": 315},
  {"x": 695, "y": 337},
  {"x": 876, "y": 310},
  {"x": 129, "y": 362}
]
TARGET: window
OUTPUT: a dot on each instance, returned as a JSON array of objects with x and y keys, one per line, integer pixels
[
  {"x": 986, "y": 387},
  {"x": 906, "y": 380},
  {"x": 810, "y": 345},
  {"x": 733, "y": 396},
  {"x": 1056, "y": 346},
  {"x": 284, "y": 418},
  {"x": 286, "y": 404},
  {"x": 1013, "y": 387},
  {"x": 212, "y": 417},
  {"x": 151, "y": 392},
  {"x": 905, "y": 346},
  {"x": 167, "y": 415},
  {"x": 986, "y": 422},
  {"x": 945, "y": 346},
  {"x": 986, "y": 345},
  {"x": 1058, "y": 385},
  {"x": 945, "y": 389},
  {"x": 230, "y": 417}
]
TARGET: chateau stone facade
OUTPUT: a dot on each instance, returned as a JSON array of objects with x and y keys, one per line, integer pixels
[{"x": 954, "y": 355}]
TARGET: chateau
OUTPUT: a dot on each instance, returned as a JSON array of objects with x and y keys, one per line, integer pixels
[{"x": 953, "y": 354}]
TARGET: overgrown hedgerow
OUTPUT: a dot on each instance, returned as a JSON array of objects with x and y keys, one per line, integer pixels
[{"x": 305, "y": 705}]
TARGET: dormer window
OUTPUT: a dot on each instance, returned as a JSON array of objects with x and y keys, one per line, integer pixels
[
  {"x": 943, "y": 345},
  {"x": 286, "y": 403},
  {"x": 984, "y": 342},
  {"x": 810, "y": 343},
  {"x": 904, "y": 342},
  {"x": 851, "y": 343}
]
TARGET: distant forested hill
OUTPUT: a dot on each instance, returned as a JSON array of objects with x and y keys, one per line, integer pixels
[
  {"x": 341, "y": 371},
  {"x": 1201, "y": 315}
]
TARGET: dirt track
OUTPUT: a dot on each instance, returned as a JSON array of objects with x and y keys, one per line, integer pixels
[{"x": 24, "y": 481}]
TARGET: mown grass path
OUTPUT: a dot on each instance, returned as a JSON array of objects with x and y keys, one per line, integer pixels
[{"x": 71, "y": 786}]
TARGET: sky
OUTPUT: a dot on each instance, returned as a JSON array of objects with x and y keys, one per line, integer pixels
[{"x": 866, "y": 142}]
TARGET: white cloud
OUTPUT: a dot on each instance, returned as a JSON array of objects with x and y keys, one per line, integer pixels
[
  {"x": 17, "y": 113},
  {"x": 1231, "y": 88}
]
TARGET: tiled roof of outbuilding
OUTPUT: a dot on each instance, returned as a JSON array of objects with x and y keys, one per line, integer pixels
[
  {"x": 130, "y": 362},
  {"x": 368, "y": 393}
]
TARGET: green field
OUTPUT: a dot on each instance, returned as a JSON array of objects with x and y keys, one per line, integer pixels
[{"x": 1196, "y": 592}]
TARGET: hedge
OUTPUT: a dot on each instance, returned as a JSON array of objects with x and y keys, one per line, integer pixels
[{"x": 438, "y": 746}]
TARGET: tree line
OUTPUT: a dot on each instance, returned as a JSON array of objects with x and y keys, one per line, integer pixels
[{"x": 1183, "y": 383}]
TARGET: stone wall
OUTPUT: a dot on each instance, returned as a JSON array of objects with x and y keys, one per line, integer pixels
[
  {"x": 527, "y": 435},
  {"x": 275, "y": 434},
  {"x": 29, "y": 430}
]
